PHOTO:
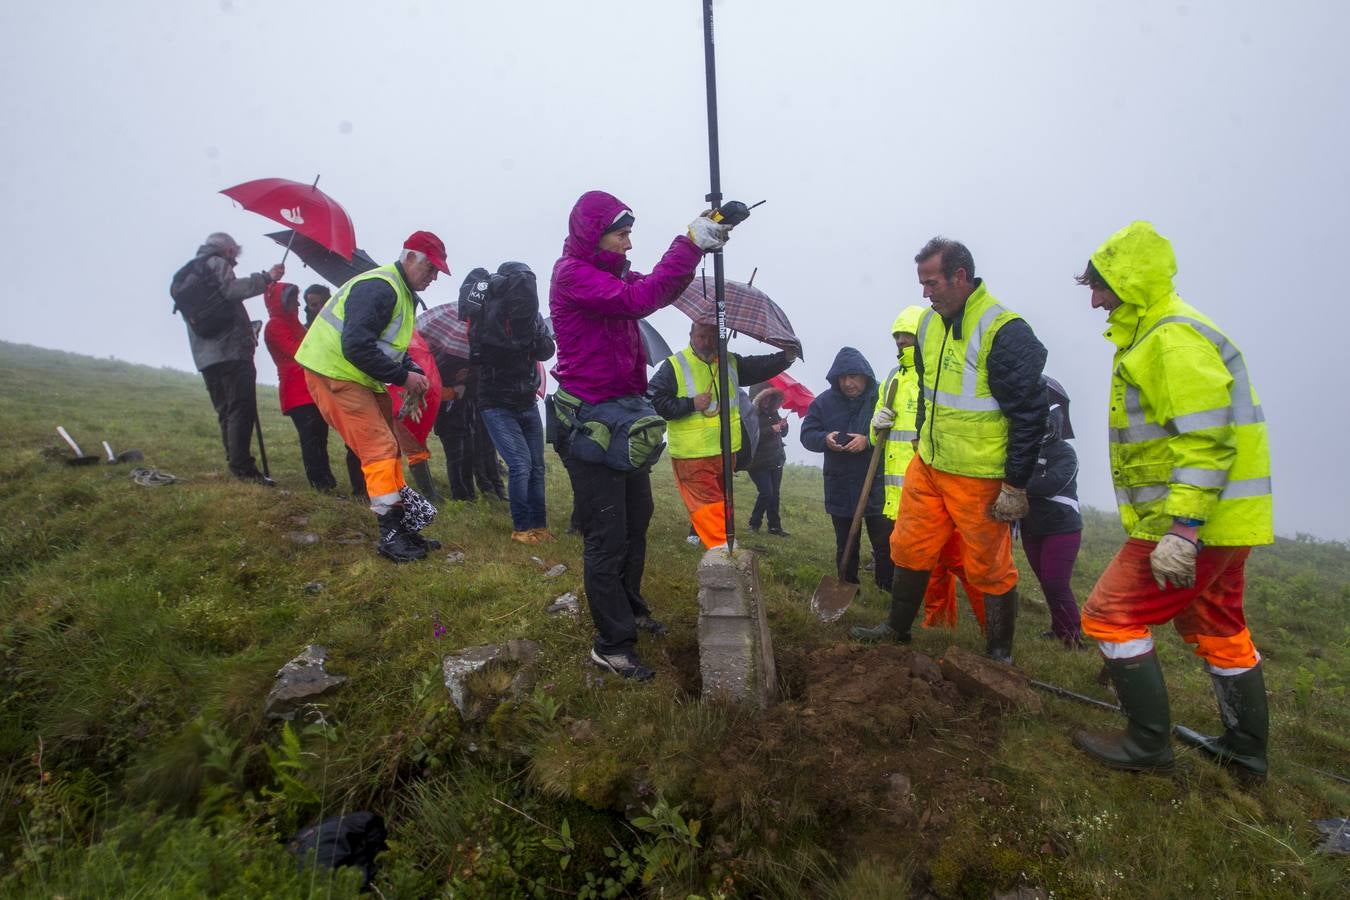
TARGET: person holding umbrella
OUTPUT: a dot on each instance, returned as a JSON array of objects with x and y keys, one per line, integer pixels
[
  {"x": 226, "y": 359},
  {"x": 683, "y": 390},
  {"x": 357, "y": 345},
  {"x": 596, "y": 301}
]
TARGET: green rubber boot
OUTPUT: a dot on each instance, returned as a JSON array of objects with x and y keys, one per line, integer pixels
[
  {"x": 1000, "y": 615},
  {"x": 1146, "y": 743},
  {"x": 421, "y": 473},
  {"x": 907, "y": 589},
  {"x": 1246, "y": 724}
]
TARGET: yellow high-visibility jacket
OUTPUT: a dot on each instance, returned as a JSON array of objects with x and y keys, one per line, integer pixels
[
  {"x": 321, "y": 350},
  {"x": 1187, "y": 434}
]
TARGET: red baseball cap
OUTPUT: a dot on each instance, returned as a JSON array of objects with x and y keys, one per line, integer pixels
[{"x": 432, "y": 246}]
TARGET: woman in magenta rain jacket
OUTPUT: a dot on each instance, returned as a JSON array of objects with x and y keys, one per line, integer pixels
[{"x": 596, "y": 300}]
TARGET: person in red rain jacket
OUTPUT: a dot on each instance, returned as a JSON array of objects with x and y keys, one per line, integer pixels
[{"x": 282, "y": 334}]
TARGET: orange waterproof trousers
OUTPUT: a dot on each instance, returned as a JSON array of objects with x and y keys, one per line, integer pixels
[
  {"x": 700, "y": 482},
  {"x": 365, "y": 420},
  {"x": 1209, "y": 616},
  {"x": 939, "y": 601},
  {"x": 935, "y": 505}
]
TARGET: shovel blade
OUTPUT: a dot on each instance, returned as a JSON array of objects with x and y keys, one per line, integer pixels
[{"x": 832, "y": 598}]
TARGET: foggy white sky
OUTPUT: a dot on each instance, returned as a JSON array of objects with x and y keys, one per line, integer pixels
[{"x": 1028, "y": 130}]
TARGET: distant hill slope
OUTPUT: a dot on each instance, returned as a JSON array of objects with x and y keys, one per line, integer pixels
[{"x": 142, "y": 628}]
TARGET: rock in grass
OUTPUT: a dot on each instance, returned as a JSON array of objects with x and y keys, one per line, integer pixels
[
  {"x": 301, "y": 681},
  {"x": 313, "y": 587},
  {"x": 980, "y": 676},
  {"x": 478, "y": 678},
  {"x": 555, "y": 571},
  {"x": 566, "y": 604},
  {"x": 1337, "y": 834}
]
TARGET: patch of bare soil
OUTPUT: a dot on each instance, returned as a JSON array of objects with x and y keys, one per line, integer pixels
[{"x": 873, "y": 748}]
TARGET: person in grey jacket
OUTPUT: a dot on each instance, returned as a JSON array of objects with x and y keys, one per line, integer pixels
[{"x": 226, "y": 360}]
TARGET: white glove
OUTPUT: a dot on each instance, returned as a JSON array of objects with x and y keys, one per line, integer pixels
[
  {"x": 1011, "y": 505},
  {"x": 1173, "y": 561},
  {"x": 709, "y": 235},
  {"x": 883, "y": 419}
]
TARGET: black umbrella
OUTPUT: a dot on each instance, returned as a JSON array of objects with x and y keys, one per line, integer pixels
[
  {"x": 653, "y": 344},
  {"x": 332, "y": 267}
]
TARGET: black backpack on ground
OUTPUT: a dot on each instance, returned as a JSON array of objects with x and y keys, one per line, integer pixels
[
  {"x": 199, "y": 296},
  {"x": 501, "y": 309}
]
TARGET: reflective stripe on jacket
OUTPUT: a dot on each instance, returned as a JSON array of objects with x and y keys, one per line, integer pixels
[
  {"x": 699, "y": 434},
  {"x": 321, "y": 351},
  {"x": 899, "y": 446},
  {"x": 1187, "y": 433},
  {"x": 965, "y": 431}
]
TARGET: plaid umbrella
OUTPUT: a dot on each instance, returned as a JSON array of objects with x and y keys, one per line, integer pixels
[
  {"x": 749, "y": 312},
  {"x": 445, "y": 332}
]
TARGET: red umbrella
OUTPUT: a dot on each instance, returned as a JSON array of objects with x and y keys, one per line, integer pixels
[
  {"x": 749, "y": 311},
  {"x": 303, "y": 207},
  {"x": 796, "y": 396}
]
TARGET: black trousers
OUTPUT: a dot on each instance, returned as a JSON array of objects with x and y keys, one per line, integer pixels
[
  {"x": 470, "y": 455},
  {"x": 354, "y": 473},
  {"x": 879, "y": 535},
  {"x": 233, "y": 389},
  {"x": 769, "y": 484},
  {"x": 614, "y": 510},
  {"x": 313, "y": 432}
]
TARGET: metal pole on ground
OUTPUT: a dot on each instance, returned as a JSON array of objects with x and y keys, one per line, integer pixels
[{"x": 714, "y": 198}]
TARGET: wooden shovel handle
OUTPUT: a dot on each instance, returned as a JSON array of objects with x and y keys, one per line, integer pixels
[{"x": 877, "y": 451}]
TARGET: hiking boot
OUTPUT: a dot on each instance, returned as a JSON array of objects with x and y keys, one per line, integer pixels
[
  {"x": 542, "y": 534},
  {"x": 907, "y": 587},
  {"x": 426, "y": 543},
  {"x": 396, "y": 542},
  {"x": 1246, "y": 724},
  {"x": 778, "y": 532},
  {"x": 1145, "y": 745},
  {"x": 421, "y": 473},
  {"x": 525, "y": 537},
  {"x": 625, "y": 665},
  {"x": 1000, "y": 614},
  {"x": 256, "y": 477},
  {"x": 649, "y": 625}
]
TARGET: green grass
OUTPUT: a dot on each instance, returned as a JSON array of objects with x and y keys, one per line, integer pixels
[{"x": 142, "y": 628}]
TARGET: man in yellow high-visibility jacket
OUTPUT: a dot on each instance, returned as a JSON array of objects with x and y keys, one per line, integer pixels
[
  {"x": 980, "y": 420},
  {"x": 684, "y": 393},
  {"x": 898, "y": 419},
  {"x": 357, "y": 344},
  {"x": 1192, "y": 477}
]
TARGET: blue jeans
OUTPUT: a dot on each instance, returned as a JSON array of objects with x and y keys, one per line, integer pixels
[{"x": 519, "y": 438}]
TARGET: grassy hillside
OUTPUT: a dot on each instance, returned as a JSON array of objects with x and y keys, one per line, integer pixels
[{"x": 142, "y": 628}]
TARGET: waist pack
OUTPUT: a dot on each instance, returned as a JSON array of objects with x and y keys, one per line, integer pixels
[
  {"x": 625, "y": 433},
  {"x": 199, "y": 295}
]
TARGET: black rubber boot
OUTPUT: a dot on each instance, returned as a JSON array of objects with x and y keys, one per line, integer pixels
[
  {"x": 1000, "y": 615},
  {"x": 1146, "y": 743},
  {"x": 421, "y": 473},
  {"x": 396, "y": 542},
  {"x": 907, "y": 588},
  {"x": 1246, "y": 723}
]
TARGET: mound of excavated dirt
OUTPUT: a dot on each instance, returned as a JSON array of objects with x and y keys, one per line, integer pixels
[{"x": 873, "y": 747}]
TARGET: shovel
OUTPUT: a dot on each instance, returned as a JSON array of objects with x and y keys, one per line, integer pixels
[
  {"x": 81, "y": 458},
  {"x": 833, "y": 595}
]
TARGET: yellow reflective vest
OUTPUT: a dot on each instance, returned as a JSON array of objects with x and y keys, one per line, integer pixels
[
  {"x": 321, "y": 350},
  {"x": 698, "y": 434},
  {"x": 899, "y": 442},
  {"x": 964, "y": 430},
  {"x": 1187, "y": 434}
]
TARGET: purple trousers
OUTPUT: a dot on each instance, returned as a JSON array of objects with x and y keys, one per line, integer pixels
[{"x": 1052, "y": 557}]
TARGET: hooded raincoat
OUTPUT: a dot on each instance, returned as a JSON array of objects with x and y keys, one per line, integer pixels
[
  {"x": 596, "y": 300},
  {"x": 283, "y": 333},
  {"x": 236, "y": 343},
  {"x": 833, "y": 411},
  {"x": 1187, "y": 433}
]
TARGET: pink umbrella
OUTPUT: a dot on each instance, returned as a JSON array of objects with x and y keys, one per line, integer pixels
[
  {"x": 749, "y": 311},
  {"x": 445, "y": 332}
]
